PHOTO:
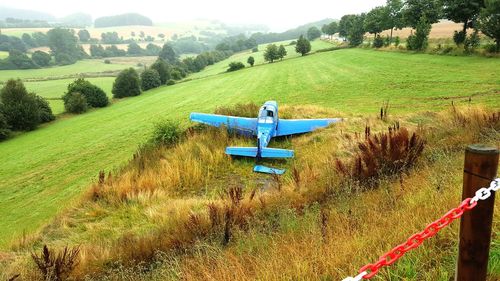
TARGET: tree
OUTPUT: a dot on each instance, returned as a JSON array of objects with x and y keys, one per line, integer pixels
[
  {"x": 28, "y": 40},
  {"x": 134, "y": 49},
  {"x": 19, "y": 107},
  {"x": 111, "y": 38},
  {"x": 94, "y": 95},
  {"x": 161, "y": 35},
  {"x": 345, "y": 25},
  {"x": 63, "y": 45},
  {"x": 163, "y": 69},
  {"x": 150, "y": 79},
  {"x": 313, "y": 33},
  {"x": 281, "y": 52},
  {"x": 20, "y": 60},
  {"x": 41, "y": 58},
  {"x": 394, "y": 15},
  {"x": 250, "y": 60},
  {"x": 330, "y": 28},
  {"x": 44, "y": 110},
  {"x": 271, "y": 53},
  {"x": 303, "y": 46},
  {"x": 489, "y": 21},
  {"x": 168, "y": 54},
  {"x": 462, "y": 11},
  {"x": 356, "y": 30},
  {"x": 376, "y": 20},
  {"x": 84, "y": 35},
  {"x": 127, "y": 84},
  {"x": 416, "y": 10}
]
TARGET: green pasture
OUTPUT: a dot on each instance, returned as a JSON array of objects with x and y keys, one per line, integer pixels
[
  {"x": 3, "y": 54},
  {"x": 44, "y": 171},
  {"x": 222, "y": 66}
]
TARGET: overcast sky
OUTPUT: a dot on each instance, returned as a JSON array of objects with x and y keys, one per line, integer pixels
[{"x": 278, "y": 15}]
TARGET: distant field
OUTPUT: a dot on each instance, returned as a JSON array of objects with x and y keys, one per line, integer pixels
[
  {"x": 182, "y": 28},
  {"x": 43, "y": 171},
  {"x": 3, "y": 54},
  {"x": 84, "y": 66},
  {"x": 222, "y": 66},
  {"x": 442, "y": 29}
]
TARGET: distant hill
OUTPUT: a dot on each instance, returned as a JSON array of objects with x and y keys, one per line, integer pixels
[
  {"x": 122, "y": 20},
  {"x": 294, "y": 33},
  {"x": 77, "y": 20},
  {"x": 6, "y": 12}
]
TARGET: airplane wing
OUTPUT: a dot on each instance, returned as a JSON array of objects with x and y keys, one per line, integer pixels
[
  {"x": 299, "y": 126},
  {"x": 241, "y": 124}
]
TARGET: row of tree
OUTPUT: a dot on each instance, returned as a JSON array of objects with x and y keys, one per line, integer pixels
[
  {"x": 480, "y": 15},
  {"x": 21, "y": 110}
]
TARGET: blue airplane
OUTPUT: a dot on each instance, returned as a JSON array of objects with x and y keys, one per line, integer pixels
[{"x": 264, "y": 127}]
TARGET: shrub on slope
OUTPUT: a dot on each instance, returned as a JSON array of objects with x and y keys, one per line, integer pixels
[
  {"x": 94, "y": 95},
  {"x": 127, "y": 84},
  {"x": 150, "y": 79}
]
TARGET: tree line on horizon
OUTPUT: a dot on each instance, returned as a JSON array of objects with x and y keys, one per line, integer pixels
[{"x": 478, "y": 15}]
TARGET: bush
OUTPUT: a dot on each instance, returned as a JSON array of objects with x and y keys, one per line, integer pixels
[
  {"x": 127, "y": 84},
  {"x": 378, "y": 42},
  {"x": 44, "y": 110},
  {"x": 166, "y": 132},
  {"x": 235, "y": 65},
  {"x": 106, "y": 61},
  {"x": 250, "y": 60},
  {"x": 419, "y": 41},
  {"x": 292, "y": 43},
  {"x": 397, "y": 41},
  {"x": 150, "y": 79},
  {"x": 75, "y": 103},
  {"x": 163, "y": 69},
  {"x": 41, "y": 58},
  {"x": 20, "y": 108},
  {"x": 472, "y": 42},
  {"x": 459, "y": 37},
  {"x": 490, "y": 48},
  {"x": 255, "y": 49},
  {"x": 4, "y": 127},
  {"x": 171, "y": 82},
  {"x": 94, "y": 95}
]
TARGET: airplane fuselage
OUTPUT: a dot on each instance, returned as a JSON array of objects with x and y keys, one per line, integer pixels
[{"x": 267, "y": 123}]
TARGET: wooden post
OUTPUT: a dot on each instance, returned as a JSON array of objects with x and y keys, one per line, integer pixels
[{"x": 480, "y": 168}]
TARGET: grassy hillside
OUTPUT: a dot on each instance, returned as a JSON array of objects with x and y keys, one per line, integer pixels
[
  {"x": 222, "y": 66},
  {"x": 66, "y": 155},
  {"x": 189, "y": 212}
]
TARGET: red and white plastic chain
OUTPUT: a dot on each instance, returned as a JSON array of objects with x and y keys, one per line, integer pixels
[{"x": 369, "y": 270}]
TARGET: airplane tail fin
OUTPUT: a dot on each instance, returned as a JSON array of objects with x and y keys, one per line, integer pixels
[{"x": 264, "y": 153}]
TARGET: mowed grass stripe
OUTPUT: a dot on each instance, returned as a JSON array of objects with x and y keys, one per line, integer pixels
[{"x": 42, "y": 171}]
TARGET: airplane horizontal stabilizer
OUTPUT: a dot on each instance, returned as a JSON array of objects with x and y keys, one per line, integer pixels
[
  {"x": 242, "y": 151},
  {"x": 276, "y": 153},
  {"x": 268, "y": 170}
]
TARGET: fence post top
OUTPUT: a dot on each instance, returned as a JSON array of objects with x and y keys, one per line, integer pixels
[{"x": 482, "y": 149}]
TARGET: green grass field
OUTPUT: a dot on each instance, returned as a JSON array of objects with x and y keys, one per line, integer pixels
[
  {"x": 84, "y": 66},
  {"x": 44, "y": 170},
  {"x": 3, "y": 54},
  {"x": 222, "y": 66}
]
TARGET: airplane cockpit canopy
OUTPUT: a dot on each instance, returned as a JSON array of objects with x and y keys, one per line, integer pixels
[{"x": 267, "y": 114}]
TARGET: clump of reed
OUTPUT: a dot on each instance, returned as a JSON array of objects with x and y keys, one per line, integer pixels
[{"x": 385, "y": 154}]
